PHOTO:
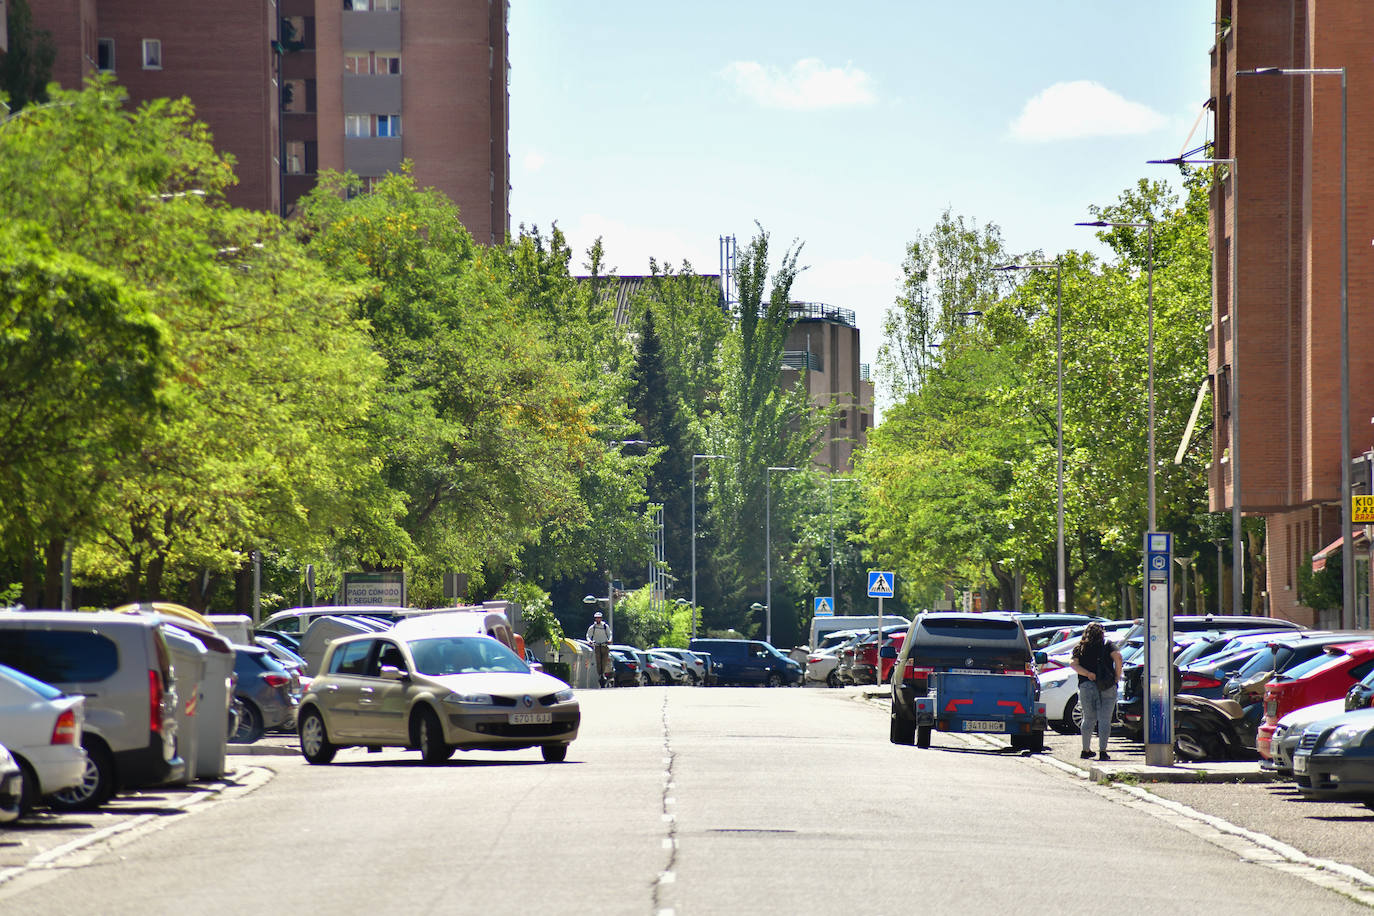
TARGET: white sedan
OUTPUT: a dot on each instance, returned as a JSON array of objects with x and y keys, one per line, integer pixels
[{"x": 41, "y": 726}]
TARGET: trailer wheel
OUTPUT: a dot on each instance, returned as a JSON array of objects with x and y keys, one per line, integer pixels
[{"x": 923, "y": 736}]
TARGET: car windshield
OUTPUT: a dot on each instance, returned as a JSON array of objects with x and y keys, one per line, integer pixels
[{"x": 440, "y": 655}]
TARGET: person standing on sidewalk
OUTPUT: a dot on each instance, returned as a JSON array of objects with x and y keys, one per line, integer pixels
[{"x": 1098, "y": 665}]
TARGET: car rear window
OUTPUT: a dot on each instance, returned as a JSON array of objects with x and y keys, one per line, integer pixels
[
  {"x": 45, "y": 690},
  {"x": 970, "y": 642},
  {"x": 60, "y": 656},
  {"x": 1312, "y": 664}
]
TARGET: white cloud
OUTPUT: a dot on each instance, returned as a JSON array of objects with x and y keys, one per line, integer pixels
[
  {"x": 808, "y": 86},
  {"x": 1073, "y": 111},
  {"x": 534, "y": 161}
]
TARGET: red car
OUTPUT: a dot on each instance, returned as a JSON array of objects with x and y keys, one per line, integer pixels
[
  {"x": 866, "y": 655},
  {"x": 1327, "y": 677}
]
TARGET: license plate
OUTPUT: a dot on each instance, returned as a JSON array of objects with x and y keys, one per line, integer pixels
[
  {"x": 980, "y": 725},
  {"x": 1300, "y": 764},
  {"x": 969, "y": 671},
  {"x": 531, "y": 718}
]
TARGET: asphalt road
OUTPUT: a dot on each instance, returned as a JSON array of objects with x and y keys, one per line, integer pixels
[{"x": 674, "y": 800}]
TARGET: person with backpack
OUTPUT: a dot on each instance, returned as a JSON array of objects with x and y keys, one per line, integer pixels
[
  {"x": 1098, "y": 665},
  {"x": 599, "y": 635}
]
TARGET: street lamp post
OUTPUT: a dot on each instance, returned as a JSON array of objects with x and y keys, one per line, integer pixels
[
  {"x": 1058, "y": 266},
  {"x": 1237, "y": 540},
  {"x": 694, "y": 538},
  {"x": 1347, "y": 548},
  {"x": 768, "y": 550},
  {"x": 1149, "y": 228}
]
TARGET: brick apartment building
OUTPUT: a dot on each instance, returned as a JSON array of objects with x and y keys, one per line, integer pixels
[
  {"x": 290, "y": 87},
  {"x": 1285, "y": 134}
]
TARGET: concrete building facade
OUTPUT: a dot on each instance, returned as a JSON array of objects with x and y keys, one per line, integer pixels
[
  {"x": 822, "y": 350},
  {"x": 1284, "y": 133},
  {"x": 290, "y": 87}
]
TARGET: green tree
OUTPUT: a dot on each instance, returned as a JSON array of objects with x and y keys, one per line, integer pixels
[
  {"x": 26, "y": 67},
  {"x": 760, "y": 424},
  {"x": 482, "y": 430}
]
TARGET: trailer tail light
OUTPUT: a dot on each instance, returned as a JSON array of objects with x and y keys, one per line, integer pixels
[
  {"x": 64, "y": 732},
  {"x": 155, "y": 701},
  {"x": 1199, "y": 680}
]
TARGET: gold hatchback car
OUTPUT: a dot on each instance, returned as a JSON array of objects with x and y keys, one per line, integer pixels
[{"x": 436, "y": 693}]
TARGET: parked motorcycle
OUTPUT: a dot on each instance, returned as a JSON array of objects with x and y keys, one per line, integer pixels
[{"x": 1206, "y": 729}]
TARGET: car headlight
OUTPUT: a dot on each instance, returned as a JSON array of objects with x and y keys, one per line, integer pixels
[
  {"x": 468, "y": 699},
  {"x": 1344, "y": 736},
  {"x": 563, "y": 696}
]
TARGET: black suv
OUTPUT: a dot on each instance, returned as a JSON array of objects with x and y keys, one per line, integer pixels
[{"x": 952, "y": 643}]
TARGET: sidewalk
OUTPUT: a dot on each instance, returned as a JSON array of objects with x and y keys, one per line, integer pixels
[{"x": 1128, "y": 758}]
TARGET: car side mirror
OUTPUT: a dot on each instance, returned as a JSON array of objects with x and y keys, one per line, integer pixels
[
  {"x": 887, "y": 652},
  {"x": 1041, "y": 657},
  {"x": 392, "y": 673}
]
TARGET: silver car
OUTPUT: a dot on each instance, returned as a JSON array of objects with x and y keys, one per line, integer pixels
[{"x": 434, "y": 692}]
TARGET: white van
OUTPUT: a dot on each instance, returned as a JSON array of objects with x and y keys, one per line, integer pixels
[
  {"x": 822, "y": 625},
  {"x": 295, "y": 621}
]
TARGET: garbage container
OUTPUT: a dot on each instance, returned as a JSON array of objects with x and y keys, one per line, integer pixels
[
  {"x": 213, "y": 718},
  {"x": 188, "y": 670}
]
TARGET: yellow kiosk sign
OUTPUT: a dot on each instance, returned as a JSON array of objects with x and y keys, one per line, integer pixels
[{"x": 1362, "y": 509}]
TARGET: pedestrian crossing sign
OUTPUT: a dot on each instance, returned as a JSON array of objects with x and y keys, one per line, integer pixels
[
  {"x": 825, "y": 607},
  {"x": 880, "y": 584}
]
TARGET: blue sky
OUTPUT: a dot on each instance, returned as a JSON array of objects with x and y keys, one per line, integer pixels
[{"x": 849, "y": 127}]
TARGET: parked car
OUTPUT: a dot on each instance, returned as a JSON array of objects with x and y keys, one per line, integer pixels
[
  {"x": 287, "y": 657},
  {"x": 672, "y": 666},
  {"x": 11, "y": 787},
  {"x": 41, "y": 727},
  {"x": 121, "y": 665},
  {"x": 1360, "y": 696},
  {"x": 625, "y": 668},
  {"x": 693, "y": 664},
  {"x": 295, "y": 621},
  {"x": 1326, "y": 677},
  {"x": 267, "y": 693},
  {"x": 1335, "y": 758},
  {"x": 822, "y": 664},
  {"x": 749, "y": 661},
  {"x": 866, "y": 655},
  {"x": 435, "y": 693},
  {"x": 1288, "y": 733},
  {"x": 966, "y": 673}
]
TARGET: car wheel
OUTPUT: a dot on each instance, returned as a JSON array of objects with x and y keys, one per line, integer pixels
[
  {"x": 250, "y": 725},
  {"x": 554, "y": 753},
  {"x": 96, "y": 786},
  {"x": 923, "y": 736},
  {"x": 315, "y": 746},
  {"x": 1072, "y": 721},
  {"x": 775, "y": 680},
  {"x": 900, "y": 731},
  {"x": 831, "y": 680},
  {"x": 29, "y": 796},
  {"x": 693, "y": 677},
  {"x": 428, "y": 735}
]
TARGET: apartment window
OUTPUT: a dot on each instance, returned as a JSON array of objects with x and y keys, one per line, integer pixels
[
  {"x": 389, "y": 125},
  {"x": 298, "y": 96},
  {"x": 295, "y": 157},
  {"x": 104, "y": 55},
  {"x": 363, "y": 6},
  {"x": 357, "y": 62},
  {"x": 386, "y": 4},
  {"x": 387, "y": 63},
  {"x": 152, "y": 54},
  {"x": 357, "y": 125}
]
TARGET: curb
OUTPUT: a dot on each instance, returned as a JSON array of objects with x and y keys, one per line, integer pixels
[
  {"x": 1218, "y": 772},
  {"x": 261, "y": 750}
]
